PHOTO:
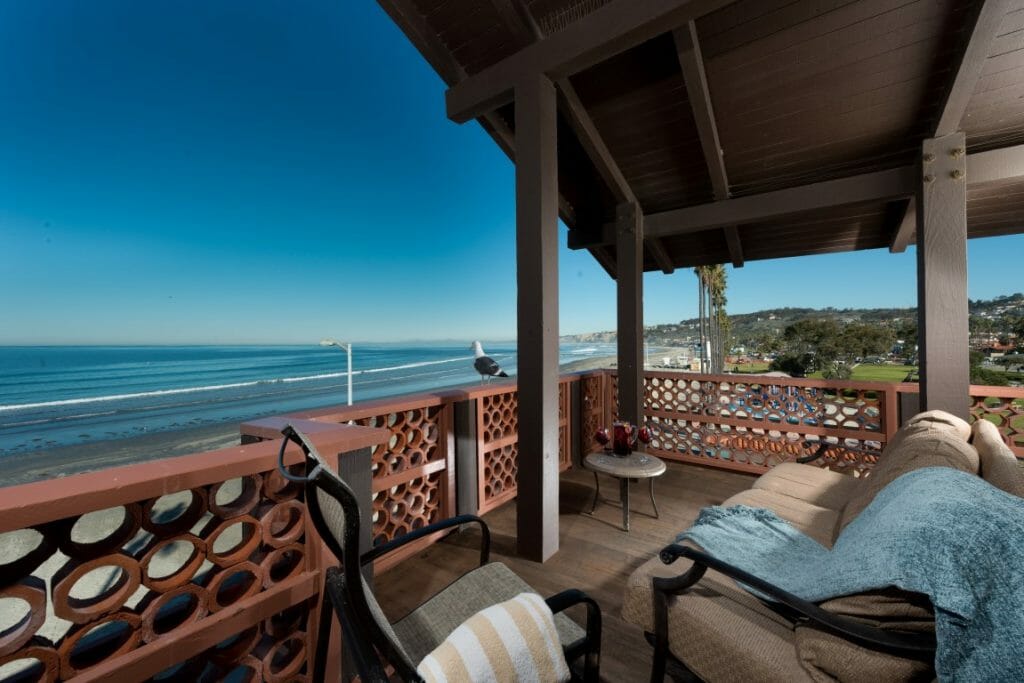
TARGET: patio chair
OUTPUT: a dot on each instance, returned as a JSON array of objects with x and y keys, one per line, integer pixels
[{"x": 371, "y": 643}]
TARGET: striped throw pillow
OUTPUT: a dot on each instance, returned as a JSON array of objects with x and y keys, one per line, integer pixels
[{"x": 515, "y": 640}]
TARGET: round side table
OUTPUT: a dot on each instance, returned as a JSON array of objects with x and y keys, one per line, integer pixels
[{"x": 636, "y": 465}]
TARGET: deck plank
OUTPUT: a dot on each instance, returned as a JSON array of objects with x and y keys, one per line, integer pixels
[{"x": 595, "y": 556}]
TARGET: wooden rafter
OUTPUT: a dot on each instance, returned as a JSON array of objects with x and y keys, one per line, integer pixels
[
  {"x": 603, "y": 33},
  {"x": 692, "y": 63},
  {"x": 517, "y": 17},
  {"x": 965, "y": 79},
  {"x": 880, "y": 185},
  {"x": 887, "y": 185},
  {"x": 407, "y": 17},
  {"x": 996, "y": 164},
  {"x": 904, "y": 233}
]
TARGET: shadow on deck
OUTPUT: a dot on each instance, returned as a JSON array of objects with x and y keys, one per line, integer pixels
[{"x": 595, "y": 554}]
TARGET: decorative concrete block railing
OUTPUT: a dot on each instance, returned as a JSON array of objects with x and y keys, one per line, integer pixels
[
  {"x": 413, "y": 471},
  {"x": 1003, "y": 406},
  {"x": 752, "y": 423},
  {"x": 205, "y": 562},
  {"x": 208, "y": 561},
  {"x": 496, "y": 432}
]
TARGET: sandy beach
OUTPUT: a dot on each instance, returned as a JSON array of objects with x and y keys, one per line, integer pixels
[
  {"x": 22, "y": 468},
  {"x": 48, "y": 463}
]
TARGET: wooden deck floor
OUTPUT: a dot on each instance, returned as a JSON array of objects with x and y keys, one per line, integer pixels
[{"x": 595, "y": 554}]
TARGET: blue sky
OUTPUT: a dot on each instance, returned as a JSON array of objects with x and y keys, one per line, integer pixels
[{"x": 229, "y": 172}]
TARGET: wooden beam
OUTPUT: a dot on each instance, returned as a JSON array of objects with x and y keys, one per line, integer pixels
[
  {"x": 537, "y": 298},
  {"x": 942, "y": 276},
  {"x": 657, "y": 250},
  {"x": 629, "y": 288},
  {"x": 691, "y": 61},
  {"x": 581, "y": 123},
  {"x": 997, "y": 164},
  {"x": 976, "y": 52},
  {"x": 602, "y": 34},
  {"x": 958, "y": 95},
  {"x": 732, "y": 240},
  {"x": 879, "y": 185},
  {"x": 516, "y": 15},
  {"x": 604, "y": 257},
  {"x": 904, "y": 233},
  {"x": 411, "y": 22}
]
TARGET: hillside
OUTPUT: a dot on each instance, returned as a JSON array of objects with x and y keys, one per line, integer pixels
[{"x": 995, "y": 316}]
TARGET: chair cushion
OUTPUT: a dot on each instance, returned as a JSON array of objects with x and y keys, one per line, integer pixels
[
  {"x": 828, "y": 657},
  {"x": 817, "y": 522},
  {"x": 515, "y": 640},
  {"x": 999, "y": 466},
  {"x": 428, "y": 625},
  {"x": 932, "y": 439},
  {"x": 809, "y": 483},
  {"x": 717, "y": 630}
]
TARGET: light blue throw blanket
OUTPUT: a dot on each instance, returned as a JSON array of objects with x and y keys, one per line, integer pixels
[{"x": 937, "y": 531}]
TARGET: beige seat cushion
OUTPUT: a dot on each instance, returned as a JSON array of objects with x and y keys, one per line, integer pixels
[
  {"x": 817, "y": 522},
  {"x": 932, "y": 439},
  {"x": 718, "y": 630},
  {"x": 809, "y": 483},
  {"x": 828, "y": 657},
  {"x": 999, "y": 466}
]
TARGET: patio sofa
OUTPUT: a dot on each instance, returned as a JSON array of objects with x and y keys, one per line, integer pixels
[{"x": 719, "y": 632}]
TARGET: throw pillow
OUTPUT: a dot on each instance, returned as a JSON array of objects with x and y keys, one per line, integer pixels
[
  {"x": 515, "y": 640},
  {"x": 999, "y": 465}
]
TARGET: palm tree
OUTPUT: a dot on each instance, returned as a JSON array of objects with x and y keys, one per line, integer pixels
[{"x": 713, "y": 321}]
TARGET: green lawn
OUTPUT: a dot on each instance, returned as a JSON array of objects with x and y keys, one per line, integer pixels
[
  {"x": 882, "y": 373},
  {"x": 864, "y": 373}
]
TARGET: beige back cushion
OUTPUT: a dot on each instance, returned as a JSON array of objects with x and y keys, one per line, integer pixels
[
  {"x": 999, "y": 466},
  {"x": 931, "y": 439},
  {"x": 828, "y": 657}
]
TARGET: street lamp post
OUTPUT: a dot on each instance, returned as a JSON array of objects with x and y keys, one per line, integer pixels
[{"x": 348, "y": 351}]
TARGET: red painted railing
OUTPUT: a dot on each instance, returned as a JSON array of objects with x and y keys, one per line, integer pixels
[
  {"x": 206, "y": 562},
  {"x": 209, "y": 560}
]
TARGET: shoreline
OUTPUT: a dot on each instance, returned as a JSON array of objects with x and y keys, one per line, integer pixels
[{"x": 64, "y": 461}]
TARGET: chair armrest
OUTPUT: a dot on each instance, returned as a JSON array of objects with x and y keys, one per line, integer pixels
[
  {"x": 592, "y": 645},
  {"x": 892, "y": 641},
  {"x": 459, "y": 520}
]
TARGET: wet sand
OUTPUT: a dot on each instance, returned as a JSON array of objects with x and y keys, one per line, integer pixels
[{"x": 49, "y": 463}]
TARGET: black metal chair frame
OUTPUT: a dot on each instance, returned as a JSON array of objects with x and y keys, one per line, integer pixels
[
  {"x": 365, "y": 643},
  {"x": 795, "y": 609}
]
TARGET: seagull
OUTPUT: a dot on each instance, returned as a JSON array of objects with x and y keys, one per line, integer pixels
[{"x": 485, "y": 365}]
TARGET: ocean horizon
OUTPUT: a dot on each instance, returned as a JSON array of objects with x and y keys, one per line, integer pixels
[{"x": 53, "y": 396}]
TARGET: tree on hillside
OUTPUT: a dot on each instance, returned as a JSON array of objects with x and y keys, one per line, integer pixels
[{"x": 820, "y": 344}]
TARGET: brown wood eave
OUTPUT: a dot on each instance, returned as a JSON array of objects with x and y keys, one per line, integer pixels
[
  {"x": 616, "y": 27},
  {"x": 692, "y": 64},
  {"x": 975, "y": 53}
]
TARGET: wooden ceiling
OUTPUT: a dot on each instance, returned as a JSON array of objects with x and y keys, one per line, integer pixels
[{"x": 752, "y": 103}]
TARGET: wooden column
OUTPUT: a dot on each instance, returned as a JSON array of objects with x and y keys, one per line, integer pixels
[
  {"x": 537, "y": 284},
  {"x": 629, "y": 244},
  {"x": 942, "y": 275}
]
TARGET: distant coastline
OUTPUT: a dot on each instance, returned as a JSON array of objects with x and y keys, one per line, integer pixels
[{"x": 53, "y": 461}]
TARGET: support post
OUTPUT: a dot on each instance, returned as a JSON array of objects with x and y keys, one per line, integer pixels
[
  {"x": 942, "y": 275},
  {"x": 466, "y": 458},
  {"x": 630, "y": 294},
  {"x": 537, "y": 285}
]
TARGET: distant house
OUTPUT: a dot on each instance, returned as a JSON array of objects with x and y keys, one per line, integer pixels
[{"x": 997, "y": 350}]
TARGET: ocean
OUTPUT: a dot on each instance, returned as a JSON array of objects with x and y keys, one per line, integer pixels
[{"x": 54, "y": 396}]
